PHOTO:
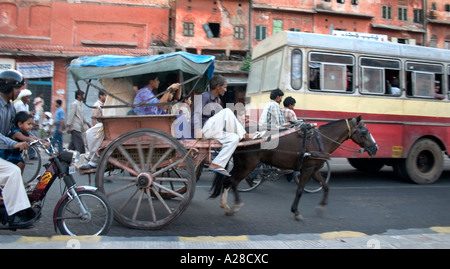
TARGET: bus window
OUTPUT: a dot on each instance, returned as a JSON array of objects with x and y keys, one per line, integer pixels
[
  {"x": 296, "y": 69},
  {"x": 330, "y": 72},
  {"x": 448, "y": 83},
  {"x": 334, "y": 77},
  {"x": 254, "y": 80},
  {"x": 380, "y": 76},
  {"x": 422, "y": 79},
  {"x": 424, "y": 84},
  {"x": 314, "y": 76},
  {"x": 272, "y": 71},
  {"x": 372, "y": 80}
]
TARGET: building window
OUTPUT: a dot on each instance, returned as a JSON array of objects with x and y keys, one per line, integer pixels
[
  {"x": 402, "y": 14},
  {"x": 212, "y": 29},
  {"x": 433, "y": 6},
  {"x": 447, "y": 46},
  {"x": 433, "y": 41},
  {"x": 239, "y": 32},
  {"x": 340, "y": 1},
  {"x": 293, "y": 29},
  {"x": 418, "y": 15},
  {"x": 355, "y": 2},
  {"x": 260, "y": 32},
  {"x": 188, "y": 28},
  {"x": 386, "y": 12},
  {"x": 447, "y": 7},
  {"x": 277, "y": 26}
]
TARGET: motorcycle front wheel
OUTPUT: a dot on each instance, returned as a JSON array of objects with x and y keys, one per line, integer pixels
[{"x": 70, "y": 219}]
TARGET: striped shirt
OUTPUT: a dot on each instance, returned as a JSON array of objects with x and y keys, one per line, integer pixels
[
  {"x": 271, "y": 115},
  {"x": 289, "y": 114},
  {"x": 7, "y": 114}
]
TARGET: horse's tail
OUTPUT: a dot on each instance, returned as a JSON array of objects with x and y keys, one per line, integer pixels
[{"x": 220, "y": 182}]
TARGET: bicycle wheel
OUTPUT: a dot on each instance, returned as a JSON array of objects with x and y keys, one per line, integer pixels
[
  {"x": 255, "y": 178},
  {"x": 33, "y": 164},
  {"x": 251, "y": 182},
  {"x": 313, "y": 186},
  {"x": 71, "y": 221}
]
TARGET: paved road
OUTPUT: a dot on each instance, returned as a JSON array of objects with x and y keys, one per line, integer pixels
[{"x": 369, "y": 204}]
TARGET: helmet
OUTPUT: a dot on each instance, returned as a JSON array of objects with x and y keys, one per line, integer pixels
[{"x": 10, "y": 79}]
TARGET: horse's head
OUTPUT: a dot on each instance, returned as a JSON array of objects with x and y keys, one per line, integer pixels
[{"x": 360, "y": 134}]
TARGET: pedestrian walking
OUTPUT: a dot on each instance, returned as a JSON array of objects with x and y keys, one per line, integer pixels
[
  {"x": 38, "y": 103},
  {"x": 59, "y": 126},
  {"x": 23, "y": 100},
  {"x": 76, "y": 122}
]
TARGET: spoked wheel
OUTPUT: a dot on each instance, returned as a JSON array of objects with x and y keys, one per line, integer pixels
[
  {"x": 314, "y": 186},
  {"x": 96, "y": 221},
  {"x": 33, "y": 164},
  {"x": 147, "y": 177},
  {"x": 255, "y": 178}
]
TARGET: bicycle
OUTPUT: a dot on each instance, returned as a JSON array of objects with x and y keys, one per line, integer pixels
[
  {"x": 81, "y": 210},
  {"x": 266, "y": 172}
]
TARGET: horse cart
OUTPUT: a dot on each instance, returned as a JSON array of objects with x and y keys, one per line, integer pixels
[
  {"x": 148, "y": 169},
  {"x": 148, "y": 175}
]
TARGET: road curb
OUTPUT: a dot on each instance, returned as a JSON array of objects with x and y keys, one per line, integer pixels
[{"x": 433, "y": 237}]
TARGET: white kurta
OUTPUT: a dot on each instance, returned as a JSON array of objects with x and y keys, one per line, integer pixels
[
  {"x": 13, "y": 192},
  {"x": 224, "y": 127}
]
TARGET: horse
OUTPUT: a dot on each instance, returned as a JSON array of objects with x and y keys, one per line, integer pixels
[{"x": 295, "y": 151}]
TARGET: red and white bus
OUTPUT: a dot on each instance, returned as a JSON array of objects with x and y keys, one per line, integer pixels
[{"x": 335, "y": 77}]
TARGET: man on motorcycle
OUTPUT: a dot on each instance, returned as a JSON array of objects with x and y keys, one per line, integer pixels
[{"x": 15, "y": 199}]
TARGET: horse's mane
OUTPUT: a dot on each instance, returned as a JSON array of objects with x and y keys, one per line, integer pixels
[{"x": 331, "y": 124}]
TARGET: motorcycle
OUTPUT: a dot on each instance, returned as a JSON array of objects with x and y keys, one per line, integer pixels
[{"x": 81, "y": 210}]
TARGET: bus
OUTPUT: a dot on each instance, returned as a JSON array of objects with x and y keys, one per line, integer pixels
[{"x": 401, "y": 92}]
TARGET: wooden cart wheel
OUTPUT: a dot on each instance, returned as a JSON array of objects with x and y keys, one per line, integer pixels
[{"x": 148, "y": 178}]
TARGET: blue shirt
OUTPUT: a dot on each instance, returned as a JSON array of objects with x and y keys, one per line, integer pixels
[
  {"x": 13, "y": 155},
  {"x": 59, "y": 116},
  {"x": 145, "y": 94}
]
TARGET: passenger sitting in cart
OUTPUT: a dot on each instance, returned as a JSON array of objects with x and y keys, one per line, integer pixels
[
  {"x": 212, "y": 121},
  {"x": 148, "y": 86}
]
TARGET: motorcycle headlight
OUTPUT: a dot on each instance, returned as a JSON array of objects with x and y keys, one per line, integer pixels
[{"x": 66, "y": 156}]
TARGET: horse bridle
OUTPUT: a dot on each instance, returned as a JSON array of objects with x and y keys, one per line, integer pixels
[
  {"x": 361, "y": 129},
  {"x": 358, "y": 132}
]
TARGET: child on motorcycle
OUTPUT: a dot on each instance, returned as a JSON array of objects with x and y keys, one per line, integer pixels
[{"x": 23, "y": 124}]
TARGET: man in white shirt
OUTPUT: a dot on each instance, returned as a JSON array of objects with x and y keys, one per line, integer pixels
[{"x": 22, "y": 101}]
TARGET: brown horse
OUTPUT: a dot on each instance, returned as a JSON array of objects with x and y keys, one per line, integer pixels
[{"x": 289, "y": 154}]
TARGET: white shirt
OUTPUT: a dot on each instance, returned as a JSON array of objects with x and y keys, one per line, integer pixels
[{"x": 20, "y": 106}]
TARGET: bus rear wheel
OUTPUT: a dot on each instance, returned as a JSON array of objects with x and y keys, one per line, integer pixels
[{"x": 424, "y": 163}]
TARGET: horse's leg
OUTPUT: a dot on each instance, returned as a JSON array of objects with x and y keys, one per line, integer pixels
[
  {"x": 241, "y": 169},
  {"x": 237, "y": 199},
  {"x": 223, "y": 200},
  {"x": 318, "y": 177},
  {"x": 304, "y": 177}
]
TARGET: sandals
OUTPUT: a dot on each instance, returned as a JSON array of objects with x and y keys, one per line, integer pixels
[
  {"x": 221, "y": 171},
  {"x": 258, "y": 135}
]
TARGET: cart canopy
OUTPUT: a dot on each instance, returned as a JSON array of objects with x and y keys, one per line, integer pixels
[{"x": 116, "y": 66}]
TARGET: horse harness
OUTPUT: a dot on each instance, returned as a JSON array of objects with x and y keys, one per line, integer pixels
[{"x": 308, "y": 132}]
